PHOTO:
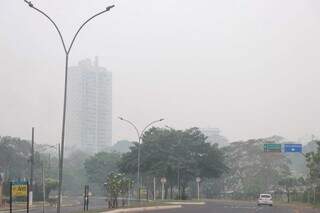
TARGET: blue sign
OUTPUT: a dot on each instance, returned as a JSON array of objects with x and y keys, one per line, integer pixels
[{"x": 293, "y": 148}]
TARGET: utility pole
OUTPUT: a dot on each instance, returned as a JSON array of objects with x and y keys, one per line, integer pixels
[
  {"x": 1, "y": 187},
  {"x": 32, "y": 164},
  {"x": 314, "y": 193},
  {"x": 179, "y": 183},
  {"x": 154, "y": 188},
  {"x": 43, "y": 189}
]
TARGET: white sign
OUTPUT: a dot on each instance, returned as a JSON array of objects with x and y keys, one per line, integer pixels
[
  {"x": 163, "y": 180},
  {"x": 198, "y": 179}
]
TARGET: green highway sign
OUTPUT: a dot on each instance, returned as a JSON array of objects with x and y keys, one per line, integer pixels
[{"x": 272, "y": 147}]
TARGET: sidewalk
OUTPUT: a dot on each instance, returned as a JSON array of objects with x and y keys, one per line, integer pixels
[{"x": 23, "y": 207}]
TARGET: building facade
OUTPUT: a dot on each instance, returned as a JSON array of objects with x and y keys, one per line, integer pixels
[
  {"x": 214, "y": 136},
  {"x": 89, "y": 107}
]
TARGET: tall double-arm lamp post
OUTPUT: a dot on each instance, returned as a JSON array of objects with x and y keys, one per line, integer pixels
[
  {"x": 67, "y": 50},
  {"x": 140, "y": 135}
]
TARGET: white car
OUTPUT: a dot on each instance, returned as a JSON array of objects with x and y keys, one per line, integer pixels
[{"x": 265, "y": 199}]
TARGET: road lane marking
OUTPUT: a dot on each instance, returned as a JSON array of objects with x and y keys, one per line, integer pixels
[
  {"x": 240, "y": 207},
  {"x": 142, "y": 209}
]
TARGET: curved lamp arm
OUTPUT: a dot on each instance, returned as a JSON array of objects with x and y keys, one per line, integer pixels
[
  {"x": 55, "y": 25},
  {"x": 80, "y": 28},
  {"x": 153, "y": 122},
  {"x": 132, "y": 124},
  {"x": 67, "y": 50}
]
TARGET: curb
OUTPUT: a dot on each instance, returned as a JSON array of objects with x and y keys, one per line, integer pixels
[
  {"x": 142, "y": 209},
  {"x": 186, "y": 203}
]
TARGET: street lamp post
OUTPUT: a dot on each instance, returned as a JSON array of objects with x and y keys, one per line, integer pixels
[
  {"x": 198, "y": 180},
  {"x": 163, "y": 181},
  {"x": 43, "y": 149},
  {"x": 139, "y": 134},
  {"x": 67, "y": 51}
]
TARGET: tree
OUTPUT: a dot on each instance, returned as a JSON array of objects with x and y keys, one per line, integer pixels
[
  {"x": 167, "y": 152},
  {"x": 14, "y": 157},
  {"x": 313, "y": 163},
  {"x": 51, "y": 184},
  {"x": 288, "y": 183},
  {"x": 117, "y": 184},
  {"x": 251, "y": 170},
  {"x": 75, "y": 176},
  {"x": 122, "y": 146},
  {"x": 100, "y": 165}
]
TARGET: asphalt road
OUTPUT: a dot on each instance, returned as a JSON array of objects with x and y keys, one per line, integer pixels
[
  {"x": 209, "y": 207},
  {"x": 235, "y": 207}
]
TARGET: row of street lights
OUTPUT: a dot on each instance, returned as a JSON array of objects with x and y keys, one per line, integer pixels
[{"x": 163, "y": 181}]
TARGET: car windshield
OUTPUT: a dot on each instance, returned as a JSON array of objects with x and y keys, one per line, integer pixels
[{"x": 265, "y": 196}]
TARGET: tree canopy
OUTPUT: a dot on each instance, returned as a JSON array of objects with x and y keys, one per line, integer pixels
[
  {"x": 165, "y": 152},
  {"x": 99, "y": 166},
  {"x": 313, "y": 163}
]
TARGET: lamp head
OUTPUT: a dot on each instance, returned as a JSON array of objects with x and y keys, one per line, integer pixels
[
  {"x": 110, "y": 7},
  {"x": 29, "y": 3}
]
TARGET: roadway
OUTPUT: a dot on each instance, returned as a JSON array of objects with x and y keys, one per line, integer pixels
[
  {"x": 209, "y": 207},
  {"x": 236, "y": 207}
]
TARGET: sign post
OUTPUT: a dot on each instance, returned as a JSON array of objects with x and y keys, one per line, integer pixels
[
  {"x": 163, "y": 180},
  {"x": 86, "y": 198},
  {"x": 28, "y": 198},
  {"x": 10, "y": 197},
  {"x": 198, "y": 180},
  {"x": 1, "y": 187}
]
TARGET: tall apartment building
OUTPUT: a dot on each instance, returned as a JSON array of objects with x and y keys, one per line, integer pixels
[
  {"x": 214, "y": 136},
  {"x": 89, "y": 107}
]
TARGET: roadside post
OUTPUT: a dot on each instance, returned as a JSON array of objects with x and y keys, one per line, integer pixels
[
  {"x": 10, "y": 197},
  {"x": 154, "y": 188},
  {"x": 30, "y": 185},
  {"x": 163, "y": 180},
  {"x": 86, "y": 198},
  {"x": 43, "y": 189},
  {"x": 1, "y": 188},
  {"x": 28, "y": 197},
  {"x": 198, "y": 180}
]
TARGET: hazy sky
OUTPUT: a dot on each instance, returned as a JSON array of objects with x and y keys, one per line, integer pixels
[{"x": 248, "y": 67}]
